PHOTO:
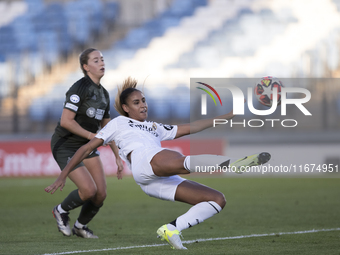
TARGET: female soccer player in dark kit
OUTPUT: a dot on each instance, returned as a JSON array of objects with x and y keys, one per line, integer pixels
[
  {"x": 86, "y": 111},
  {"x": 156, "y": 169}
]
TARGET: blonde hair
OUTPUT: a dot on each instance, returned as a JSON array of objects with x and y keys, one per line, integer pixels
[{"x": 129, "y": 86}]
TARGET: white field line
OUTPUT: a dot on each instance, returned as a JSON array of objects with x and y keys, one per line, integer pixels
[{"x": 199, "y": 240}]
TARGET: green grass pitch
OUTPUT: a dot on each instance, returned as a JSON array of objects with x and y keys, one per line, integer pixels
[{"x": 131, "y": 218}]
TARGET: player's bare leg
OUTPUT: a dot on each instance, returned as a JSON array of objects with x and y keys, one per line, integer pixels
[
  {"x": 207, "y": 202},
  {"x": 91, "y": 207},
  {"x": 86, "y": 190}
]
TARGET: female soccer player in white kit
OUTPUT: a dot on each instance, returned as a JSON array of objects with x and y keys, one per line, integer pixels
[{"x": 155, "y": 169}]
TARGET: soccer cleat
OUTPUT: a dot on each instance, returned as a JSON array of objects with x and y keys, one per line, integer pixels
[
  {"x": 84, "y": 232},
  {"x": 62, "y": 221},
  {"x": 172, "y": 237},
  {"x": 239, "y": 166}
]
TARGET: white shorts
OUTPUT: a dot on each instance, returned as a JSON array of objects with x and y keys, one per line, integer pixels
[{"x": 153, "y": 185}]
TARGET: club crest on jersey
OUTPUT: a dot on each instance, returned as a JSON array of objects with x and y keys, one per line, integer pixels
[
  {"x": 74, "y": 98},
  {"x": 91, "y": 112},
  {"x": 154, "y": 126}
]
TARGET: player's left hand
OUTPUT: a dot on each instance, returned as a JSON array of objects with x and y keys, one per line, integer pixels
[
  {"x": 120, "y": 168},
  {"x": 60, "y": 182}
]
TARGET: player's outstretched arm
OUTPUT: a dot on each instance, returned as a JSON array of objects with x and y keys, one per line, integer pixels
[
  {"x": 81, "y": 153},
  {"x": 199, "y": 125}
]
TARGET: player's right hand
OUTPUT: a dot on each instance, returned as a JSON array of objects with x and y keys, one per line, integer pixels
[{"x": 60, "y": 182}]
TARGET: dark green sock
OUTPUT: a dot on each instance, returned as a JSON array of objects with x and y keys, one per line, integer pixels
[
  {"x": 88, "y": 211},
  {"x": 72, "y": 201}
]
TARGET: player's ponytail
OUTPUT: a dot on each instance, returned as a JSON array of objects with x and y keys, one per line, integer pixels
[{"x": 124, "y": 91}]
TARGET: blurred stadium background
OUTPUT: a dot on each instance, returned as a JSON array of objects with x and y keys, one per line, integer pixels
[{"x": 164, "y": 43}]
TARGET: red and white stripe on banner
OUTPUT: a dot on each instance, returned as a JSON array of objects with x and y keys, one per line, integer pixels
[{"x": 34, "y": 158}]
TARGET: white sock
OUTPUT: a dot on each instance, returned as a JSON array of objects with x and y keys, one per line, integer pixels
[
  {"x": 205, "y": 163},
  {"x": 171, "y": 227},
  {"x": 197, "y": 214},
  {"x": 61, "y": 210},
  {"x": 78, "y": 225}
]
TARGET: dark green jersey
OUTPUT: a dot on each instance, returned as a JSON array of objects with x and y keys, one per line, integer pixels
[{"x": 90, "y": 102}]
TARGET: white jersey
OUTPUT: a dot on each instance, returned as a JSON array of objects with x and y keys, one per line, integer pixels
[{"x": 130, "y": 134}]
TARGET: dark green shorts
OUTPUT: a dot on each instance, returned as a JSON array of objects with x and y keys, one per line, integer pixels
[{"x": 63, "y": 150}]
